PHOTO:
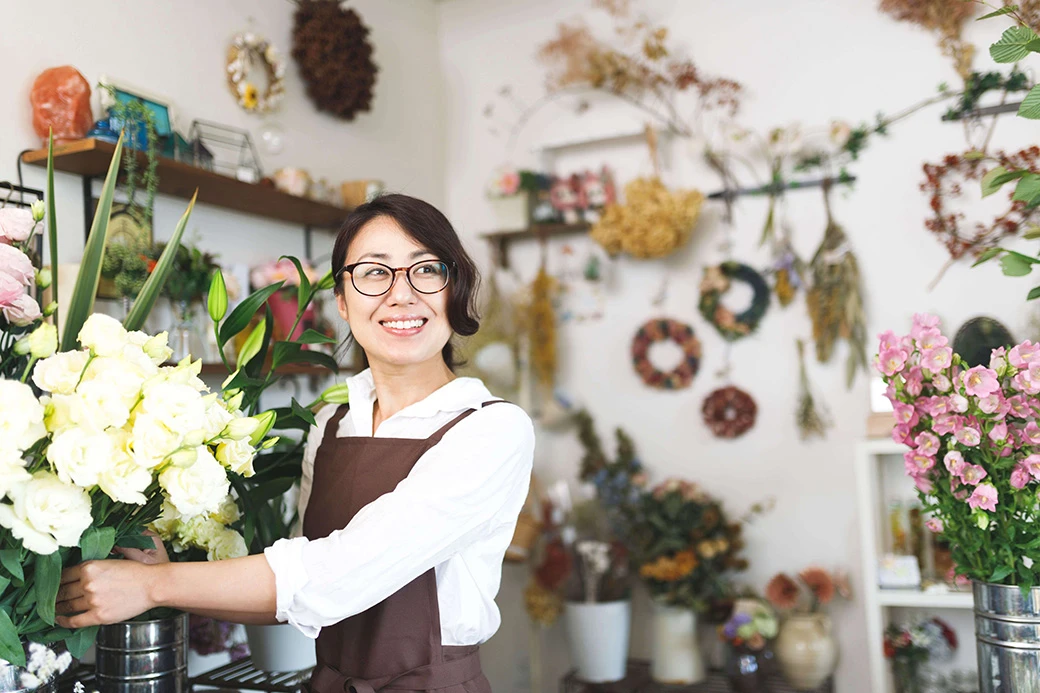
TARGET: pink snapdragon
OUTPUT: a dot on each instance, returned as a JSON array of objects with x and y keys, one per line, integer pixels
[
  {"x": 985, "y": 497},
  {"x": 955, "y": 463},
  {"x": 922, "y": 323},
  {"x": 980, "y": 381},
  {"x": 927, "y": 443},
  {"x": 1022, "y": 354},
  {"x": 972, "y": 474}
]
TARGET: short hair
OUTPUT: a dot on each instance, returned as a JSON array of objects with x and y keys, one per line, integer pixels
[{"x": 431, "y": 229}]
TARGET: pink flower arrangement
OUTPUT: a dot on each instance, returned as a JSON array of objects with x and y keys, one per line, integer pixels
[
  {"x": 17, "y": 274},
  {"x": 973, "y": 447},
  {"x": 280, "y": 271}
]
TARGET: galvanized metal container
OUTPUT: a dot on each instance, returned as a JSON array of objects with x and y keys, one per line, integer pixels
[
  {"x": 143, "y": 656},
  {"x": 1007, "y": 638}
]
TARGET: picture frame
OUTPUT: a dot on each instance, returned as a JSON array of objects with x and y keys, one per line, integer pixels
[{"x": 162, "y": 109}]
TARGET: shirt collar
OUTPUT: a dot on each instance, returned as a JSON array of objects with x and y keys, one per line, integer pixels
[{"x": 458, "y": 395}]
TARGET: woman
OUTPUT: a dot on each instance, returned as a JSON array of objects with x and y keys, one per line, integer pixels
[{"x": 409, "y": 497}]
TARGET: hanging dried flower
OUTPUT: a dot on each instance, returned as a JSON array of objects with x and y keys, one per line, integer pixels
[
  {"x": 543, "y": 328},
  {"x": 811, "y": 422},
  {"x": 653, "y": 222}
]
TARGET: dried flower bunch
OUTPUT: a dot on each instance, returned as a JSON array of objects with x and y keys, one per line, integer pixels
[
  {"x": 813, "y": 420},
  {"x": 817, "y": 588},
  {"x": 653, "y": 222},
  {"x": 944, "y": 18}
]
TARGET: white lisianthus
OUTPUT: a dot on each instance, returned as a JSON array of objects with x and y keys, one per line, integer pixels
[
  {"x": 237, "y": 455},
  {"x": 127, "y": 376},
  {"x": 157, "y": 350},
  {"x": 125, "y": 482},
  {"x": 151, "y": 441},
  {"x": 228, "y": 512},
  {"x": 197, "y": 489},
  {"x": 168, "y": 522},
  {"x": 21, "y": 416},
  {"x": 43, "y": 341},
  {"x": 80, "y": 455},
  {"x": 60, "y": 373},
  {"x": 184, "y": 373},
  {"x": 103, "y": 335},
  {"x": 57, "y": 412},
  {"x": 97, "y": 405},
  {"x": 46, "y": 513},
  {"x": 12, "y": 472},
  {"x": 177, "y": 406},
  {"x": 225, "y": 544},
  {"x": 217, "y": 418}
]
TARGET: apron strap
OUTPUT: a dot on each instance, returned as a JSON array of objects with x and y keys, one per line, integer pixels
[
  {"x": 425, "y": 678},
  {"x": 436, "y": 437}
]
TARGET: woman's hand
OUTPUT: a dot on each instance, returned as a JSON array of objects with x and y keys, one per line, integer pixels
[
  {"x": 100, "y": 592},
  {"x": 148, "y": 556}
]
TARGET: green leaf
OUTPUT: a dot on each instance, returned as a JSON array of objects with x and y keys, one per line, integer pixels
[
  {"x": 1014, "y": 266},
  {"x": 310, "y": 336},
  {"x": 50, "y": 635},
  {"x": 303, "y": 412},
  {"x": 1013, "y": 45},
  {"x": 96, "y": 543},
  {"x": 327, "y": 281},
  {"x": 1000, "y": 573},
  {"x": 988, "y": 185},
  {"x": 272, "y": 489},
  {"x": 303, "y": 291},
  {"x": 136, "y": 541},
  {"x": 216, "y": 302},
  {"x": 1028, "y": 187},
  {"x": 82, "y": 302},
  {"x": 81, "y": 640},
  {"x": 48, "y": 579},
  {"x": 988, "y": 255},
  {"x": 1002, "y": 11},
  {"x": 52, "y": 223},
  {"x": 153, "y": 285},
  {"x": 244, "y": 311},
  {"x": 1031, "y": 233},
  {"x": 1034, "y": 293},
  {"x": 1030, "y": 107},
  {"x": 290, "y": 352},
  {"x": 11, "y": 560},
  {"x": 10, "y": 644}
]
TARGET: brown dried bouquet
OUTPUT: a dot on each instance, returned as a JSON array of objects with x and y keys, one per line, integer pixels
[
  {"x": 944, "y": 17},
  {"x": 653, "y": 221}
]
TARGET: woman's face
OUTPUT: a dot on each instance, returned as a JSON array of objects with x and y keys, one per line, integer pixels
[{"x": 402, "y": 327}]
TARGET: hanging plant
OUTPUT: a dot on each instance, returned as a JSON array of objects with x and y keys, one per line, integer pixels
[
  {"x": 331, "y": 48},
  {"x": 945, "y": 18},
  {"x": 246, "y": 53},
  {"x": 716, "y": 282},
  {"x": 659, "y": 330},
  {"x": 137, "y": 120},
  {"x": 812, "y": 421},
  {"x": 542, "y": 324},
  {"x": 729, "y": 412}
]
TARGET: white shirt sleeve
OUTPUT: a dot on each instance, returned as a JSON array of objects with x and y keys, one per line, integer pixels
[{"x": 472, "y": 482}]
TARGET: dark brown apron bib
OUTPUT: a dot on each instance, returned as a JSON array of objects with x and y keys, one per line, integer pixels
[{"x": 396, "y": 644}]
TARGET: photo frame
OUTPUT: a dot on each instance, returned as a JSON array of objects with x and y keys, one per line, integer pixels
[{"x": 161, "y": 108}]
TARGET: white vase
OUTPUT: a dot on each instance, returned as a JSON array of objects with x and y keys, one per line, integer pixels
[
  {"x": 598, "y": 635},
  {"x": 676, "y": 654},
  {"x": 806, "y": 650},
  {"x": 280, "y": 648}
]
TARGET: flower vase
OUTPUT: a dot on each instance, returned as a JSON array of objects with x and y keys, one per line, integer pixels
[
  {"x": 676, "y": 655},
  {"x": 184, "y": 337},
  {"x": 283, "y": 308},
  {"x": 1007, "y": 637},
  {"x": 906, "y": 675},
  {"x": 598, "y": 634},
  {"x": 144, "y": 655},
  {"x": 744, "y": 669},
  {"x": 806, "y": 650}
]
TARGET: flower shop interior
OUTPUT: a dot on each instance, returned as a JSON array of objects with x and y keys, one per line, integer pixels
[{"x": 735, "y": 259}]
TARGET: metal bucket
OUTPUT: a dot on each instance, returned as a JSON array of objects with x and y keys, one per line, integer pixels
[
  {"x": 1007, "y": 638},
  {"x": 143, "y": 656}
]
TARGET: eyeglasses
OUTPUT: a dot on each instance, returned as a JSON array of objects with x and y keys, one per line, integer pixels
[{"x": 375, "y": 278}]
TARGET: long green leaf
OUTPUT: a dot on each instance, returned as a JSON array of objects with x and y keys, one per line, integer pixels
[
  {"x": 303, "y": 291},
  {"x": 1002, "y": 11},
  {"x": 96, "y": 543},
  {"x": 988, "y": 255},
  {"x": 10, "y": 644},
  {"x": 48, "y": 579},
  {"x": 1028, "y": 187},
  {"x": 153, "y": 286},
  {"x": 244, "y": 311},
  {"x": 291, "y": 352},
  {"x": 81, "y": 640},
  {"x": 1030, "y": 107},
  {"x": 1013, "y": 45},
  {"x": 52, "y": 222},
  {"x": 11, "y": 560},
  {"x": 82, "y": 302},
  {"x": 310, "y": 336}
]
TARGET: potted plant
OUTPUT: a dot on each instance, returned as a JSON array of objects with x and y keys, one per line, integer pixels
[
  {"x": 806, "y": 648},
  {"x": 912, "y": 645},
  {"x": 747, "y": 633}
]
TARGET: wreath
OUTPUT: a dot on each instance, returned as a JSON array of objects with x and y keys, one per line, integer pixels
[
  {"x": 716, "y": 282},
  {"x": 659, "y": 330},
  {"x": 331, "y": 47},
  {"x": 246, "y": 50},
  {"x": 729, "y": 412},
  {"x": 940, "y": 184}
]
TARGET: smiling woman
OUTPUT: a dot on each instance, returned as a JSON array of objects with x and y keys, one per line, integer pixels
[{"x": 409, "y": 496}]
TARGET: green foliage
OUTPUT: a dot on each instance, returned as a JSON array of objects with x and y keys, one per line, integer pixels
[{"x": 132, "y": 115}]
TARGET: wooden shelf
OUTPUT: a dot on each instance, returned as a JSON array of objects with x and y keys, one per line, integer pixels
[
  {"x": 918, "y": 599},
  {"x": 502, "y": 238},
  {"x": 90, "y": 158}
]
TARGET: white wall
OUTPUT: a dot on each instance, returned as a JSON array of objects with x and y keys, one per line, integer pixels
[{"x": 800, "y": 60}]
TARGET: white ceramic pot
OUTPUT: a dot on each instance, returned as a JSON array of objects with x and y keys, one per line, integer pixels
[
  {"x": 676, "y": 654},
  {"x": 598, "y": 635},
  {"x": 280, "y": 648},
  {"x": 806, "y": 650}
]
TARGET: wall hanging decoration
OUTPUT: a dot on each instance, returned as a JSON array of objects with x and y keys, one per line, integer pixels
[
  {"x": 812, "y": 420},
  {"x": 716, "y": 282},
  {"x": 836, "y": 298},
  {"x": 659, "y": 330},
  {"x": 331, "y": 47},
  {"x": 255, "y": 73},
  {"x": 729, "y": 412},
  {"x": 541, "y": 323}
]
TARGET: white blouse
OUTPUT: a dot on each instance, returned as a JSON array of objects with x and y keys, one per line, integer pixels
[{"x": 455, "y": 512}]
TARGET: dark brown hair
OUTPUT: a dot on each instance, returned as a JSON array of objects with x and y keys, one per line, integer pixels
[{"x": 432, "y": 230}]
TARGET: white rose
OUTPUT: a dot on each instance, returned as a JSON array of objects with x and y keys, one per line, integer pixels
[
  {"x": 60, "y": 373},
  {"x": 228, "y": 512},
  {"x": 46, "y": 513},
  {"x": 125, "y": 482},
  {"x": 21, "y": 416},
  {"x": 237, "y": 455},
  {"x": 12, "y": 472},
  {"x": 80, "y": 455},
  {"x": 152, "y": 441},
  {"x": 197, "y": 489},
  {"x": 103, "y": 335}
]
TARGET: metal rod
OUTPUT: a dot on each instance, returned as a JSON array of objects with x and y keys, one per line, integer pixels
[
  {"x": 775, "y": 189},
  {"x": 986, "y": 111}
]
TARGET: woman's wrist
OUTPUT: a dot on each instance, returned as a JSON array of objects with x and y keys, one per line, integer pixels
[{"x": 159, "y": 581}]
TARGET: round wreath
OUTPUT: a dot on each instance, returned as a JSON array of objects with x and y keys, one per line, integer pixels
[
  {"x": 246, "y": 50},
  {"x": 330, "y": 46},
  {"x": 716, "y": 282},
  {"x": 729, "y": 412},
  {"x": 940, "y": 184},
  {"x": 659, "y": 330}
]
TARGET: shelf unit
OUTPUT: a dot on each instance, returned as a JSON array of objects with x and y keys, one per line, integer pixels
[
  {"x": 878, "y": 602},
  {"x": 501, "y": 239}
]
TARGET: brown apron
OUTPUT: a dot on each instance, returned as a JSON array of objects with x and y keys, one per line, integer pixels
[{"x": 396, "y": 644}]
